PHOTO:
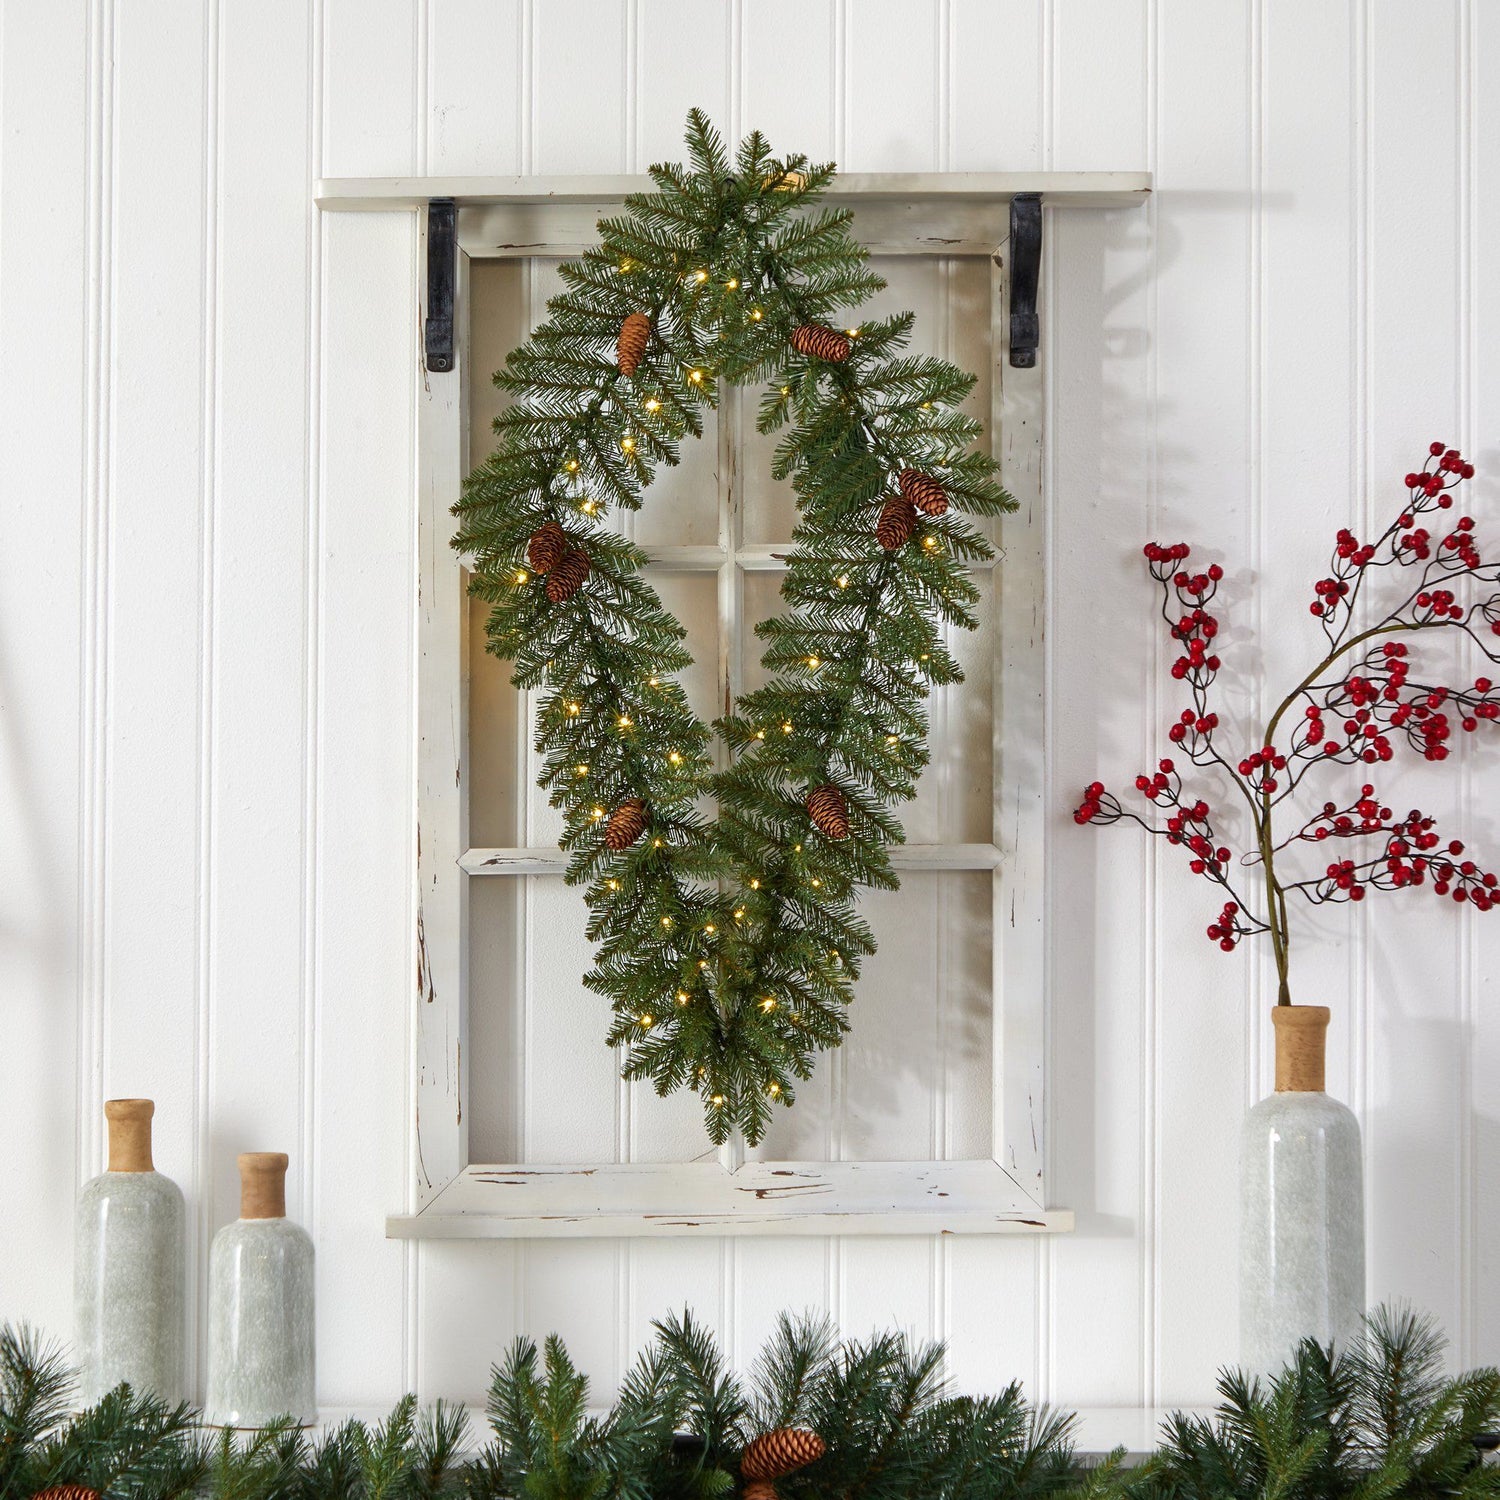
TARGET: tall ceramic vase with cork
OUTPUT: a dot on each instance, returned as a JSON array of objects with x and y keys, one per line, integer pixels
[
  {"x": 130, "y": 1233},
  {"x": 1302, "y": 1228},
  {"x": 260, "y": 1313}
]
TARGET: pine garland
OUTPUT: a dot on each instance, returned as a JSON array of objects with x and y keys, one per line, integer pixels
[
  {"x": 728, "y": 948},
  {"x": 816, "y": 1420}
]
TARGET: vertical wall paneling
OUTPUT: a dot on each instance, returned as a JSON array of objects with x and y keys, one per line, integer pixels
[
  {"x": 257, "y": 501},
  {"x": 208, "y": 400},
  {"x": 474, "y": 61},
  {"x": 1309, "y": 203},
  {"x": 994, "y": 80},
  {"x": 365, "y": 799},
  {"x": 51, "y": 167},
  {"x": 1205, "y": 347},
  {"x": 1102, "y": 711},
  {"x": 372, "y": 86},
  {"x": 683, "y": 60},
  {"x": 1415, "y": 1137},
  {"x": 154, "y": 774},
  {"x": 1480, "y": 56}
]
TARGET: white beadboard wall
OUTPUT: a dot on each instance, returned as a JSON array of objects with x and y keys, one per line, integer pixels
[{"x": 206, "y": 621}]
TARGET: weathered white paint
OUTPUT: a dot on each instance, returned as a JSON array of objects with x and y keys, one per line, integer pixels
[
  {"x": 674, "y": 1200},
  {"x": 902, "y": 190},
  {"x": 207, "y": 620}
]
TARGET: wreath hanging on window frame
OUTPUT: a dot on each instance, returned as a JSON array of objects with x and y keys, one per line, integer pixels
[{"x": 728, "y": 946}]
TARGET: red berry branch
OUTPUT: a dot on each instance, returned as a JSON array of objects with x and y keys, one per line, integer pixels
[{"x": 1357, "y": 706}]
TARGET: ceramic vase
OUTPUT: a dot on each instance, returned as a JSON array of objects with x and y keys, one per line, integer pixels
[
  {"x": 129, "y": 1263},
  {"x": 260, "y": 1307},
  {"x": 1302, "y": 1237}
]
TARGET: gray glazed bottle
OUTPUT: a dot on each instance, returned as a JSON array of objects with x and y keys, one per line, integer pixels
[
  {"x": 1302, "y": 1222},
  {"x": 260, "y": 1307},
  {"x": 129, "y": 1238}
]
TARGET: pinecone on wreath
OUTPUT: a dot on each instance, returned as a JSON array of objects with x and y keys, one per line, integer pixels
[
  {"x": 67, "y": 1492},
  {"x": 775, "y": 1454},
  {"x": 830, "y": 814},
  {"x": 567, "y": 576},
  {"x": 923, "y": 491},
  {"x": 897, "y": 521},
  {"x": 626, "y": 824},
  {"x": 546, "y": 548},
  {"x": 819, "y": 342},
  {"x": 635, "y": 332}
]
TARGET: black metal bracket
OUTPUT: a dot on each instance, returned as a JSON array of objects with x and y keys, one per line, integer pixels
[
  {"x": 1025, "y": 272},
  {"x": 442, "y": 279}
]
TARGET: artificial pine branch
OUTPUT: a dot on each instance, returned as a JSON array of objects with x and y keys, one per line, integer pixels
[
  {"x": 36, "y": 1386},
  {"x": 1378, "y": 1421},
  {"x": 728, "y": 949},
  {"x": 1375, "y": 1421}
]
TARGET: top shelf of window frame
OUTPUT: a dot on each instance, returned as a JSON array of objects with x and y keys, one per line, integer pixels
[{"x": 1058, "y": 189}]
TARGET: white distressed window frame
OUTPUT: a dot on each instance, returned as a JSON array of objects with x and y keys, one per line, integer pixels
[{"x": 944, "y": 215}]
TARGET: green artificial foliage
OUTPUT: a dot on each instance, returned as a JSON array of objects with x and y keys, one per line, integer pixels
[
  {"x": 1376, "y": 1422},
  {"x": 728, "y": 946},
  {"x": 1373, "y": 1422}
]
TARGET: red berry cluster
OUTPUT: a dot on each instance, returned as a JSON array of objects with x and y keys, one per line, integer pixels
[
  {"x": 1451, "y": 466},
  {"x": 1408, "y": 860},
  {"x": 1228, "y": 930},
  {"x": 1352, "y": 715},
  {"x": 1349, "y": 557},
  {"x": 1194, "y": 628},
  {"x": 1193, "y": 729},
  {"x": 1374, "y": 700},
  {"x": 1437, "y": 605},
  {"x": 1365, "y": 815},
  {"x": 1259, "y": 769},
  {"x": 1098, "y": 806}
]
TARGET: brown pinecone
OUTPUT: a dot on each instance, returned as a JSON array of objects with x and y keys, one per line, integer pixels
[
  {"x": 635, "y": 331},
  {"x": 67, "y": 1492},
  {"x": 546, "y": 548},
  {"x": 898, "y": 519},
  {"x": 773, "y": 1455},
  {"x": 924, "y": 492},
  {"x": 626, "y": 824},
  {"x": 567, "y": 576},
  {"x": 818, "y": 342},
  {"x": 830, "y": 815},
  {"x": 759, "y": 1489}
]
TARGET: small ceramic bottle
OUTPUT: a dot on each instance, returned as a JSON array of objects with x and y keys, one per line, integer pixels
[
  {"x": 130, "y": 1235},
  {"x": 260, "y": 1307},
  {"x": 1302, "y": 1224}
]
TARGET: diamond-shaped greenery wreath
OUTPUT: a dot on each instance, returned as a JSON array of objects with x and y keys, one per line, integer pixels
[{"x": 728, "y": 947}]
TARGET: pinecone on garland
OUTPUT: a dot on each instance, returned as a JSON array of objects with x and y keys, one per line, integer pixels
[
  {"x": 626, "y": 824},
  {"x": 759, "y": 1489},
  {"x": 67, "y": 1492},
  {"x": 774, "y": 1455},
  {"x": 830, "y": 814},
  {"x": 898, "y": 519},
  {"x": 923, "y": 491},
  {"x": 818, "y": 342},
  {"x": 635, "y": 332},
  {"x": 567, "y": 576},
  {"x": 546, "y": 548}
]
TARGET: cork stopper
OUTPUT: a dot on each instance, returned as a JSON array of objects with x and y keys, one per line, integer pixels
[
  {"x": 263, "y": 1184},
  {"x": 129, "y": 1134},
  {"x": 1301, "y": 1032}
]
